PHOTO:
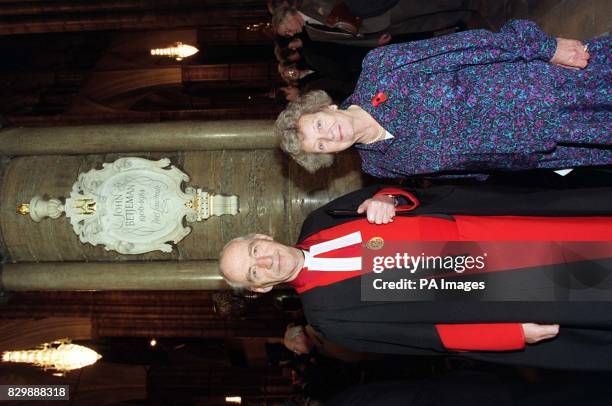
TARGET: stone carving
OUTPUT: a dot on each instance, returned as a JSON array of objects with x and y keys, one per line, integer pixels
[
  {"x": 39, "y": 208},
  {"x": 133, "y": 206}
]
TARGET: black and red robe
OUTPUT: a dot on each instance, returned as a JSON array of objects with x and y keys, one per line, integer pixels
[{"x": 332, "y": 299}]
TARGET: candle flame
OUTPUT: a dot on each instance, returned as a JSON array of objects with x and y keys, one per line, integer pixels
[
  {"x": 177, "y": 51},
  {"x": 61, "y": 356}
]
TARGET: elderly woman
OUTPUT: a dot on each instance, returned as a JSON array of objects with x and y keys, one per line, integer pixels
[{"x": 465, "y": 103}]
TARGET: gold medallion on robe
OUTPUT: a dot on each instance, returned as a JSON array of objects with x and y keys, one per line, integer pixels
[{"x": 375, "y": 243}]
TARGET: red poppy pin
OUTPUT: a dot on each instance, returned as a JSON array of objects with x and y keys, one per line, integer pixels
[{"x": 379, "y": 98}]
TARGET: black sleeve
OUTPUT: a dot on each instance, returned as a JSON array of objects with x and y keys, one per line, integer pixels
[{"x": 481, "y": 200}]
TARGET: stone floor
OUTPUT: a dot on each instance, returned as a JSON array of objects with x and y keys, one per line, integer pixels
[{"x": 578, "y": 19}]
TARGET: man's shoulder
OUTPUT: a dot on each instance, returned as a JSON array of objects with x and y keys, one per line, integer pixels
[{"x": 324, "y": 217}]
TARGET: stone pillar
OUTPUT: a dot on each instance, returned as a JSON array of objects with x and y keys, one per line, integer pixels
[
  {"x": 158, "y": 275},
  {"x": 150, "y": 137}
]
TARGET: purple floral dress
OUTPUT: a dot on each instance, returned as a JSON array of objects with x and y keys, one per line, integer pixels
[{"x": 479, "y": 101}]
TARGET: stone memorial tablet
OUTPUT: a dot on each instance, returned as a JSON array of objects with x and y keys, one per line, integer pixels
[{"x": 133, "y": 206}]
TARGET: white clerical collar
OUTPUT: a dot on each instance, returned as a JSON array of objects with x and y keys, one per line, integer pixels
[{"x": 333, "y": 264}]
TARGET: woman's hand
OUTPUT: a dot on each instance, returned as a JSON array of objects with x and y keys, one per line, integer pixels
[
  {"x": 571, "y": 54},
  {"x": 384, "y": 39},
  {"x": 380, "y": 209},
  {"x": 538, "y": 332}
]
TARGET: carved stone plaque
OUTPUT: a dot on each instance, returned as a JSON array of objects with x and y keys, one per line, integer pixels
[{"x": 133, "y": 206}]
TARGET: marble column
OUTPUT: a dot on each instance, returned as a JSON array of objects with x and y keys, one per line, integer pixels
[
  {"x": 150, "y": 137},
  {"x": 158, "y": 275}
]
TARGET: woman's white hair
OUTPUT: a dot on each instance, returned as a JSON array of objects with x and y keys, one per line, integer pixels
[{"x": 286, "y": 128}]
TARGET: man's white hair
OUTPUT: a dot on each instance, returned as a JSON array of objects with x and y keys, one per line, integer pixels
[{"x": 235, "y": 285}]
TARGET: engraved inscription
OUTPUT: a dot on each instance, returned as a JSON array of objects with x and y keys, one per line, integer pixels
[{"x": 138, "y": 206}]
